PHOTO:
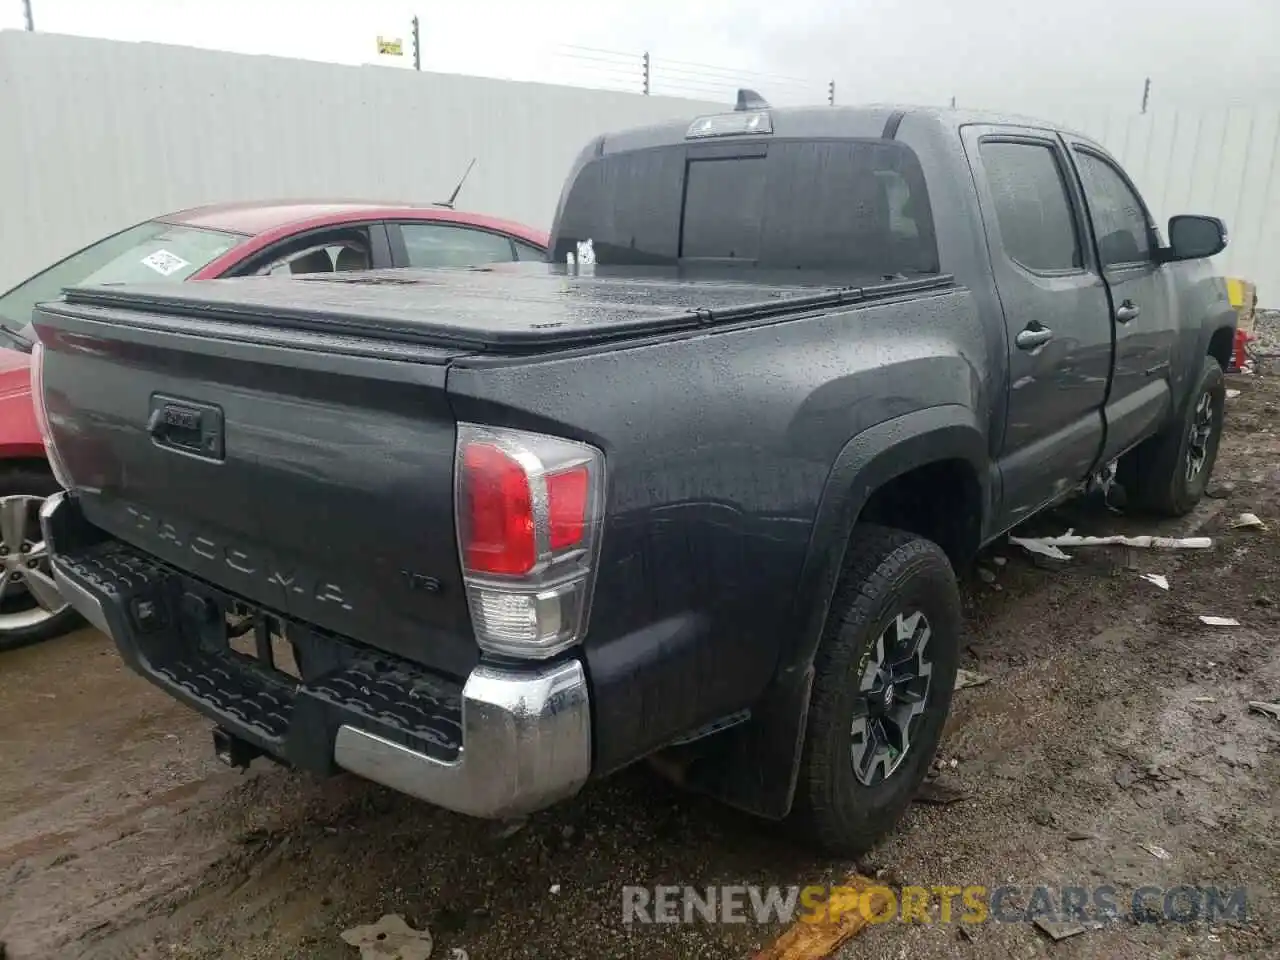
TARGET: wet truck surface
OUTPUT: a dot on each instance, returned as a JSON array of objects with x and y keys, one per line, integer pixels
[{"x": 694, "y": 491}]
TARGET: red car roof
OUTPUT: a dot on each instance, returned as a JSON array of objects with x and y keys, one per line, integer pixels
[{"x": 265, "y": 216}]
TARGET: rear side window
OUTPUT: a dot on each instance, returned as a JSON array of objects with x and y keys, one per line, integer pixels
[
  {"x": 1119, "y": 220},
  {"x": 859, "y": 206},
  {"x": 1033, "y": 209}
]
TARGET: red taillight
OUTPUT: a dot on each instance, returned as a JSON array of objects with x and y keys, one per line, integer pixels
[
  {"x": 499, "y": 534},
  {"x": 528, "y": 516},
  {"x": 567, "y": 494}
]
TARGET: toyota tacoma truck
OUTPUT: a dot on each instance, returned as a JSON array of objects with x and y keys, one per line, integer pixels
[{"x": 485, "y": 535}]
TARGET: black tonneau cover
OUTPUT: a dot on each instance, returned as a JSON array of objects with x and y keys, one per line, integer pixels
[{"x": 516, "y": 307}]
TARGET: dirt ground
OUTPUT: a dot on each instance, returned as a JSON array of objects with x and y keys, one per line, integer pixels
[{"x": 1112, "y": 716}]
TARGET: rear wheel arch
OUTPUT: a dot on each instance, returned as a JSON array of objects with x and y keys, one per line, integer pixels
[
  {"x": 939, "y": 443},
  {"x": 758, "y": 763}
]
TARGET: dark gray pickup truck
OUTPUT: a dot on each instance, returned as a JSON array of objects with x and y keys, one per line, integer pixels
[{"x": 482, "y": 536}]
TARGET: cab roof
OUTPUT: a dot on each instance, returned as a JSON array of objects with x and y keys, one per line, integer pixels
[{"x": 824, "y": 122}]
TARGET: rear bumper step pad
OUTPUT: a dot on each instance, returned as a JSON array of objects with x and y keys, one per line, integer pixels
[{"x": 507, "y": 742}]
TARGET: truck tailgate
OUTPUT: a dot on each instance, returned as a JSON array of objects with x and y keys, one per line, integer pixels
[{"x": 310, "y": 474}]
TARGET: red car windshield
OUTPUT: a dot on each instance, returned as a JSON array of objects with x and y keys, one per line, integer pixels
[{"x": 151, "y": 251}]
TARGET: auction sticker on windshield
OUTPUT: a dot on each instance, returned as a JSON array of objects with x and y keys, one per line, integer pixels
[{"x": 164, "y": 263}]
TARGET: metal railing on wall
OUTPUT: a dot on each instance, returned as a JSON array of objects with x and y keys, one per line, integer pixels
[{"x": 666, "y": 76}]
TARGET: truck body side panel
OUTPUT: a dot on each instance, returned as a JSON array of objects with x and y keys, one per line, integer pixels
[{"x": 719, "y": 447}]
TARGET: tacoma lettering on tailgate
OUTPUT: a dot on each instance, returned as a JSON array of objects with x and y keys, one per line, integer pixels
[{"x": 292, "y": 580}]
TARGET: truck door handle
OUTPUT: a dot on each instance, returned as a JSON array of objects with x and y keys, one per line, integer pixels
[
  {"x": 1127, "y": 311},
  {"x": 1033, "y": 336}
]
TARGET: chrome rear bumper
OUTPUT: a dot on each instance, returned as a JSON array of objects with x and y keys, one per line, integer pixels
[{"x": 526, "y": 743}]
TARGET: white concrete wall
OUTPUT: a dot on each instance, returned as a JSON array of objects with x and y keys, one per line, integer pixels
[{"x": 98, "y": 134}]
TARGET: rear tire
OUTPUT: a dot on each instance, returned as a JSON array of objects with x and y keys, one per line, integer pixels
[
  {"x": 20, "y": 623},
  {"x": 856, "y": 781},
  {"x": 1168, "y": 473}
]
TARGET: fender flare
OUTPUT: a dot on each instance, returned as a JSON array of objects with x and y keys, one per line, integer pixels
[
  {"x": 867, "y": 462},
  {"x": 758, "y": 768}
]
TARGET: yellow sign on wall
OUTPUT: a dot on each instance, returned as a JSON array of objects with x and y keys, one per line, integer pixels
[{"x": 391, "y": 48}]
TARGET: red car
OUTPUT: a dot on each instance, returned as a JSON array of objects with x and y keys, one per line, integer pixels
[{"x": 225, "y": 240}]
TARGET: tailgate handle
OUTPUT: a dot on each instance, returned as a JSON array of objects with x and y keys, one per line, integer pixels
[{"x": 186, "y": 426}]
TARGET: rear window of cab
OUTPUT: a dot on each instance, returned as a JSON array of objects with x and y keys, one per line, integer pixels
[{"x": 855, "y": 205}]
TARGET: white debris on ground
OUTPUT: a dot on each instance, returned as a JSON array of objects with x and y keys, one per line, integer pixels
[
  {"x": 1049, "y": 546},
  {"x": 1039, "y": 546},
  {"x": 1248, "y": 521},
  {"x": 967, "y": 678},
  {"x": 1159, "y": 579},
  {"x": 505, "y": 829},
  {"x": 1061, "y": 929},
  {"x": 390, "y": 939},
  {"x": 1266, "y": 709},
  {"x": 1160, "y": 853},
  {"x": 1219, "y": 621}
]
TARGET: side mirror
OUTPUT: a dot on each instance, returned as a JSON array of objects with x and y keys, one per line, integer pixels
[{"x": 1192, "y": 238}]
